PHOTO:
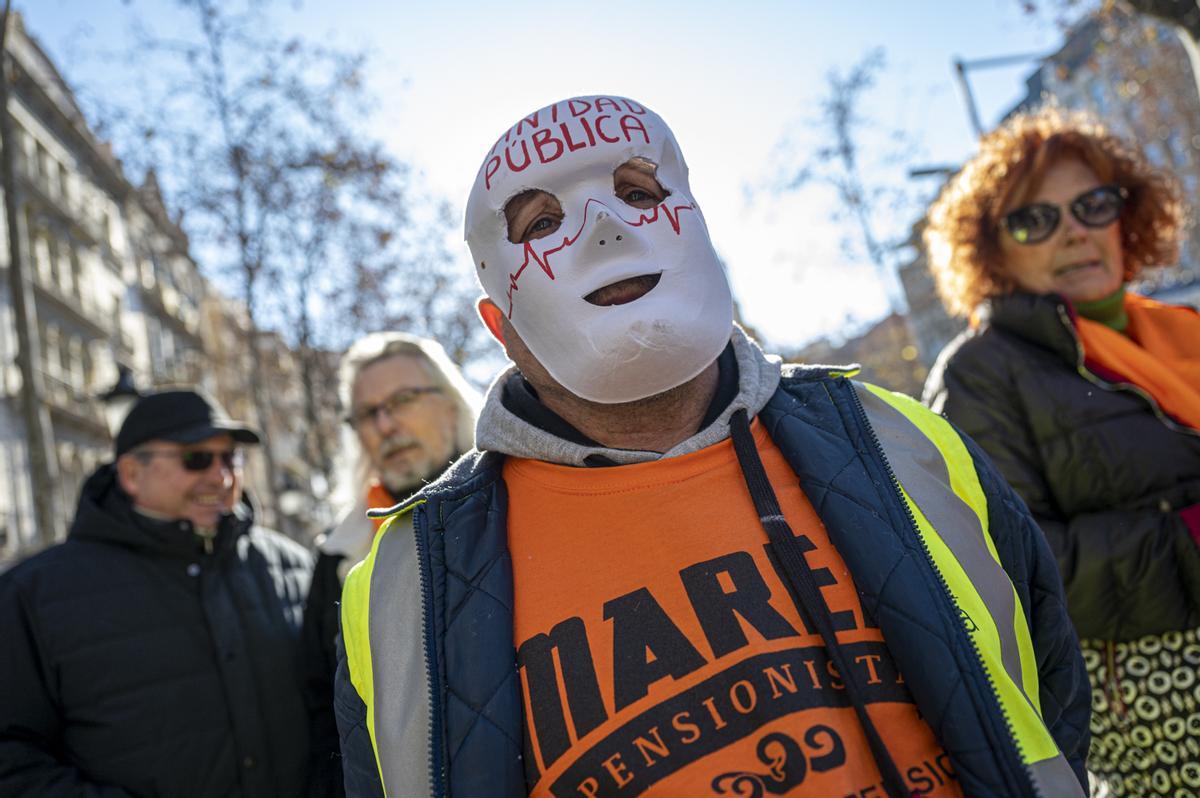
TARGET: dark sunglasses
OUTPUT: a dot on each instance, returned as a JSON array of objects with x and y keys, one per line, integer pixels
[
  {"x": 199, "y": 460},
  {"x": 1036, "y": 222}
]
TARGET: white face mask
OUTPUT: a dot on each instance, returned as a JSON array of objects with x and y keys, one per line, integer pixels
[{"x": 617, "y": 353}]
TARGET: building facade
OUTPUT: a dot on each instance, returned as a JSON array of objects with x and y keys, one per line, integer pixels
[
  {"x": 70, "y": 192},
  {"x": 115, "y": 292}
]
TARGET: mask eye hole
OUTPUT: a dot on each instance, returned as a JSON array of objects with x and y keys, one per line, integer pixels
[
  {"x": 635, "y": 183},
  {"x": 532, "y": 214}
]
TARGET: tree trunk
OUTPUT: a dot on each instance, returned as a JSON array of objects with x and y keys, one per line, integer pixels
[
  {"x": 43, "y": 464},
  {"x": 309, "y": 369},
  {"x": 262, "y": 409}
]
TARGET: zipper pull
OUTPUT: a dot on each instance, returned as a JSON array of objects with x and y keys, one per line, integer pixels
[{"x": 208, "y": 545}]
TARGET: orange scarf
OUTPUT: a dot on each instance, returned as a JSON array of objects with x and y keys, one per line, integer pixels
[
  {"x": 1161, "y": 354},
  {"x": 378, "y": 497}
]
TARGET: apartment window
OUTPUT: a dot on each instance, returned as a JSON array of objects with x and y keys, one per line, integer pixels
[
  {"x": 66, "y": 359},
  {"x": 20, "y": 141},
  {"x": 157, "y": 267},
  {"x": 67, "y": 266},
  {"x": 105, "y": 230},
  {"x": 89, "y": 369},
  {"x": 56, "y": 278},
  {"x": 77, "y": 366},
  {"x": 67, "y": 469},
  {"x": 117, "y": 323},
  {"x": 76, "y": 271},
  {"x": 64, "y": 183},
  {"x": 41, "y": 255},
  {"x": 154, "y": 335},
  {"x": 53, "y": 354},
  {"x": 43, "y": 162}
]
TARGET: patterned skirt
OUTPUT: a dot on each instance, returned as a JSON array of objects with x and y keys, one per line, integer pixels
[{"x": 1145, "y": 715}]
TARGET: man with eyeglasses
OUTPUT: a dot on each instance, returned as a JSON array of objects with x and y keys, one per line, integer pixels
[
  {"x": 156, "y": 650},
  {"x": 409, "y": 413}
]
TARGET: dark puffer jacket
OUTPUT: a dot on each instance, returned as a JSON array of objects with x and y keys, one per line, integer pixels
[
  {"x": 1102, "y": 469},
  {"x": 135, "y": 663}
]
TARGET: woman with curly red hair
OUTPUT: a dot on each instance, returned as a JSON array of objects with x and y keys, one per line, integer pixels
[{"x": 1087, "y": 397}]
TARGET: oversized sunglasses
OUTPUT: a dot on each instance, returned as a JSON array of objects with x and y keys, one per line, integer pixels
[
  {"x": 1036, "y": 222},
  {"x": 199, "y": 460}
]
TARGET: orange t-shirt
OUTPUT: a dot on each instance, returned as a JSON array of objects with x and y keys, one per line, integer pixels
[{"x": 660, "y": 653}]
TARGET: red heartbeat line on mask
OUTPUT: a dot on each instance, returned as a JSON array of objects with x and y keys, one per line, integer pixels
[{"x": 543, "y": 260}]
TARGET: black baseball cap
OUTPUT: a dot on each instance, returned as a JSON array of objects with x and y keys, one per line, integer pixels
[{"x": 179, "y": 416}]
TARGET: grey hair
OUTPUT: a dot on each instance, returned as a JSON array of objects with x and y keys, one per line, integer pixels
[{"x": 355, "y": 467}]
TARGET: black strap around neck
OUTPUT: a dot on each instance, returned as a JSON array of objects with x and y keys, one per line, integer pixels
[{"x": 805, "y": 591}]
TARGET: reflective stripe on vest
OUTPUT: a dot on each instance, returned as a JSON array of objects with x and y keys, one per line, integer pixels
[
  {"x": 361, "y": 604},
  {"x": 927, "y": 456}
]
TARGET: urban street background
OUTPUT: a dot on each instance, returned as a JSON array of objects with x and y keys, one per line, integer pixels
[{"x": 227, "y": 194}]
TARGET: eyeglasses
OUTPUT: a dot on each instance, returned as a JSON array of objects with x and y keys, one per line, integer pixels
[
  {"x": 392, "y": 406},
  {"x": 199, "y": 460},
  {"x": 1034, "y": 223}
]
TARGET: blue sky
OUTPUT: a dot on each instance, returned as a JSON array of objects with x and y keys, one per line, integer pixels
[{"x": 732, "y": 80}]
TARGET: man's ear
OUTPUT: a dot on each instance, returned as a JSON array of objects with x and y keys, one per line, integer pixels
[
  {"x": 492, "y": 316},
  {"x": 128, "y": 467}
]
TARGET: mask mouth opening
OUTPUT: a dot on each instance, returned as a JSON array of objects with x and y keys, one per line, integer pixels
[{"x": 625, "y": 291}]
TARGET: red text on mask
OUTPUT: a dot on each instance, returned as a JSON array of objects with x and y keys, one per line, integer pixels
[{"x": 563, "y": 128}]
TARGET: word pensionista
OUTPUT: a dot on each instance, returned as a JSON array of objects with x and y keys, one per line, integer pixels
[{"x": 565, "y": 127}]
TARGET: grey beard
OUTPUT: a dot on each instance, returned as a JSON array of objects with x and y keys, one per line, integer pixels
[{"x": 403, "y": 490}]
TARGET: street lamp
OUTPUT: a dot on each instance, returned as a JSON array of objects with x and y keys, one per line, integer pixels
[
  {"x": 961, "y": 68},
  {"x": 120, "y": 399}
]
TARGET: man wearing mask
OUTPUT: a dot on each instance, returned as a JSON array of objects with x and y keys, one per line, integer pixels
[
  {"x": 155, "y": 651},
  {"x": 409, "y": 414},
  {"x": 675, "y": 567}
]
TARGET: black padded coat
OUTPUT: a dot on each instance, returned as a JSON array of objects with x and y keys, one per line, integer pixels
[
  {"x": 1103, "y": 470},
  {"x": 136, "y": 663}
]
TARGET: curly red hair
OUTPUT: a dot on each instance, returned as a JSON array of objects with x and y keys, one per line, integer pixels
[{"x": 962, "y": 236}]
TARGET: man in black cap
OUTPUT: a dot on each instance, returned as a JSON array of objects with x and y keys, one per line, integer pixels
[{"x": 154, "y": 652}]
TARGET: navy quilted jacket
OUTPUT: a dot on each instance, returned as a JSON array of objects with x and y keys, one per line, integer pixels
[
  {"x": 476, "y": 724},
  {"x": 133, "y": 662}
]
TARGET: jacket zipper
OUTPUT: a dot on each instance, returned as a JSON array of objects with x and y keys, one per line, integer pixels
[
  {"x": 436, "y": 768},
  {"x": 1081, "y": 359},
  {"x": 949, "y": 596}
]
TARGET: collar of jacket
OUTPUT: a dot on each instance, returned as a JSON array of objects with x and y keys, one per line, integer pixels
[
  {"x": 500, "y": 430},
  {"x": 105, "y": 515},
  {"x": 1036, "y": 318},
  {"x": 351, "y": 536}
]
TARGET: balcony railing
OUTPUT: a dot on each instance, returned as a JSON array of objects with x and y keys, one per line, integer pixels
[
  {"x": 68, "y": 399},
  {"x": 77, "y": 302},
  {"x": 171, "y": 302}
]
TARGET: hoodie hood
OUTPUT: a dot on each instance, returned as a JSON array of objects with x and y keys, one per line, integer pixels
[
  {"x": 500, "y": 430},
  {"x": 105, "y": 514}
]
